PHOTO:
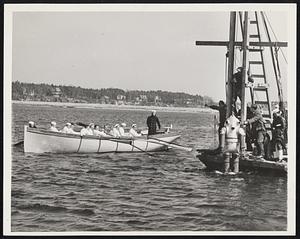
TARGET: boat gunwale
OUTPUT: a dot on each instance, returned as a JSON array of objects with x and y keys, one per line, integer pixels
[{"x": 92, "y": 137}]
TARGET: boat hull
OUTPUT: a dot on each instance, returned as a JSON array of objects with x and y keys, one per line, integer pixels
[
  {"x": 247, "y": 163},
  {"x": 42, "y": 141}
]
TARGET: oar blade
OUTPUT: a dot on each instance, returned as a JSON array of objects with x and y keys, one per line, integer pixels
[{"x": 172, "y": 145}]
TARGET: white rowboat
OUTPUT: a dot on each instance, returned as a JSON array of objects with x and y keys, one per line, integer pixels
[{"x": 42, "y": 141}]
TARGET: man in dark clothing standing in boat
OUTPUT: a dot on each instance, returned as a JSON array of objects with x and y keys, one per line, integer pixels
[
  {"x": 259, "y": 130},
  {"x": 152, "y": 121},
  {"x": 222, "y": 115}
]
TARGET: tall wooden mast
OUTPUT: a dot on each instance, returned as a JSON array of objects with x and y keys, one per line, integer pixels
[
  {"x": 230, "y": 62},
  {"x": 245, "y": 63},
  {"x": 245, "y": 44}
]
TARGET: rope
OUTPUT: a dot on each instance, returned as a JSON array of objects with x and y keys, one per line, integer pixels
[{"x": 275, "y": 36}]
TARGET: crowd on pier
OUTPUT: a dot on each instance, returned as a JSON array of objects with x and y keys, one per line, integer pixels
[{"x": 258, "y": 140}]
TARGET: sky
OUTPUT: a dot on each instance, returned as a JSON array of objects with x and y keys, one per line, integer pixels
[{"x": 127, "y": 50}]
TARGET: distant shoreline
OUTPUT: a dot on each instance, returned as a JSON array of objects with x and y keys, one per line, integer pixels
[{"x": 119, "y": 107}]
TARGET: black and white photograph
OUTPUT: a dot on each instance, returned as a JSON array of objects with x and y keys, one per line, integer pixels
[{"x": 149, "y": 119}]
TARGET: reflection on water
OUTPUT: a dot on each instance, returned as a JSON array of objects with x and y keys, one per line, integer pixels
[{"x": 168, "y": 191}]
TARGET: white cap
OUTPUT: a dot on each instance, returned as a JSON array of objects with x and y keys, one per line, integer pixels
[
  {"x": 31, "y": 123},
  {"x": 153, "y": 111},
  {"x": 53, "y": 123},
  {"x": 123, "y": 124},
  {"x": 116, "y": 125},
  {"x": 133, "y": 125},
  {"x": 68, "y": 124}
]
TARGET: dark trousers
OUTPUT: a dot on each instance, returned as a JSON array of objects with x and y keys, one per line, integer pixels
[{"x": 260, "y": 143}]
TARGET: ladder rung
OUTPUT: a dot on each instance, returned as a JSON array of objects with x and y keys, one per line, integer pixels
[
  {"x": 262, "y": 102},
  {"x": 254, "y": 36},
  {"x": 258, "y": 76},
  {"x": 255, "y": 49},
  {"x": 256, "y": 62},
  {"x": 253, "y": 22},
  {"x": 260, "y": 86},
  {"x": 260, "y": 89}
]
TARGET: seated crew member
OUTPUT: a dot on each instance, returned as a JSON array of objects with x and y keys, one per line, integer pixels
[
  {"x": 31, "y": 124},
  {"x": 87, "y": 130},
  {"x": 84, "y": 131},
  {"x": 102, "y": 133},
  {"x": 53, "y": 127},
  {"x": 133, "y": 132},
  {"x": 222, "y": 108},
  {"x": 122, "y": 130},
  {"x": 152, "y": 121},
  {"x": 258, "y": 126},
  {"x": 99, "y": 132},
  {"x": 90, "y": 129},
  {"x": 66, "y": 128},
  {"x": 71, "y": 129},
  {"x": 115, "y": 131},
  {"x": 107, "y": 130}
]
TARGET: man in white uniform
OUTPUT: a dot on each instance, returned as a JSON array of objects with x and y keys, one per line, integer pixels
[
  {"x": 53, "y": 127},
  {"x": 133, "y": 131}
]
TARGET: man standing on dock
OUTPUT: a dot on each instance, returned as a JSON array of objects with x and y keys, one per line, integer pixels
[
  {"x": 258, "y": 126},
  {"x": 222, "y": 115},
  {"x": 152, "y": 120}
]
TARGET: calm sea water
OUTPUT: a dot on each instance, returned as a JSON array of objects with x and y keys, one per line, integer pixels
[{"x": 169, "y": 191}]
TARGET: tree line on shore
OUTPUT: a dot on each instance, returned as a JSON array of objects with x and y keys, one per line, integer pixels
[{"x": 62, "y": 93}]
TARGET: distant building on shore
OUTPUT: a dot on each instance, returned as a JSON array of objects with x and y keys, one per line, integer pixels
[
  {"x": 56, "y": 92},
  {"x": 157, "y": 100}
]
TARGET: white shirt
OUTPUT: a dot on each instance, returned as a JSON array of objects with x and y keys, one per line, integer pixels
[
  {"x": 53, "y": 129},
  {"x": 96, "y": 132},
  {"x": 133, "y": 133},
  {"x": 90, "y": 131},
  {"x": 68, "y": 130},
  {"x": 122, "y": 131},
  {"x": 100, "y": 133},
  {"x": 65, "y": 130},
  {"x": 116, "y": 132},
  {"x": 84, "y": 131}
]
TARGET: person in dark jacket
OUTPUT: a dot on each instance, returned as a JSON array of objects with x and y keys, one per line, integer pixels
[
  {"x": 278, "y": 127},
  {"x": 258, "y": 126},
  {"x": 236, "y": 85},
  {"x": 152, "y": 121},
  {"x": 222, "y": 115}
]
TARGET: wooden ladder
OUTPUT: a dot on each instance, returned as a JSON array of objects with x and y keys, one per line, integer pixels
[{"x": 259, "y": 90}]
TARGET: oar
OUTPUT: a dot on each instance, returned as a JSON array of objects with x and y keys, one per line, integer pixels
[
  {"x": 174, "y": 145},
  {"x": 118, "y": 141},
  {"x": 152, "y": 155}
]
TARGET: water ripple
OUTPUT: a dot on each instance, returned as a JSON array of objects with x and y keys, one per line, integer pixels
[{"x": 136, "y": 192}]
